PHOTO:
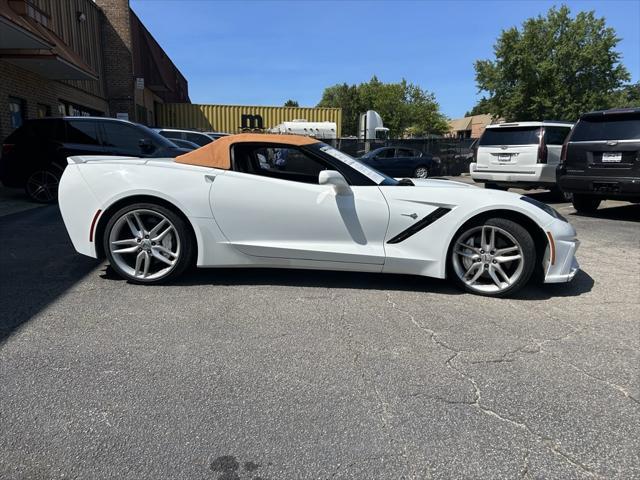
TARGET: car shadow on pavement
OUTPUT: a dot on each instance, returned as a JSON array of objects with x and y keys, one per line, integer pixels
[
  {"x": 629, "y": 213},
  {"x": 582, "y": 283},
  {"x": 38, "y": 264}
]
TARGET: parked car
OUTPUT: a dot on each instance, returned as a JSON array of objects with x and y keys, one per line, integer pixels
[
  {"x": 520, "y": 155},
  {"x": 184, "y": 144},
  {"x": 323, "y": 213},
  {"x": 601, "y": 159},
  {"x": 35, "y": 155},
  {"x": 198, "y": 138},
  {"x": 402, "y": 162},
  {"x": 216, "y": 135}
]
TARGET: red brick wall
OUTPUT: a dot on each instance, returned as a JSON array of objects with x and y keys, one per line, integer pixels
[
  {"x": 117, "y": 56},
  {"x": 16, "y": 82}
]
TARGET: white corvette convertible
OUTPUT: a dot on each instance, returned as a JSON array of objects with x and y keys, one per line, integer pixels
[{"x": 286, "y": 201}]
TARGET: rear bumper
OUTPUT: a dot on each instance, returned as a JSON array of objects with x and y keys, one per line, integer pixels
[
  {"x": 538, "y": 174},
  {"x": 604, "y": 186}
]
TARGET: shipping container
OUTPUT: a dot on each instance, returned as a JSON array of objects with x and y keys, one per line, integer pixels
[{"x": 239, "y": 118}]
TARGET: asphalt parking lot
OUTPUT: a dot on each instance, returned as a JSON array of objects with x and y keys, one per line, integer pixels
[{"x": 252, "y": 374}]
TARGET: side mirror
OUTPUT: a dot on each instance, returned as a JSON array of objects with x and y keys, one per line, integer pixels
[
  {"x": 145, "y": 145},
  {"x": 332, "y": 177}
]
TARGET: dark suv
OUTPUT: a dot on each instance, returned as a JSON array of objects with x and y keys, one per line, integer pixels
[
  {"x": 34, "y": 155},
  {"x": 601, "y": 159}
]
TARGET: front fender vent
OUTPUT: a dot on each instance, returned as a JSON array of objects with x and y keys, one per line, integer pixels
[{"x": 420, "y": 224}]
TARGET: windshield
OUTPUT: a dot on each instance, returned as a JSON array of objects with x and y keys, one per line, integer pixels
[
  {"x": 510, "y": 136},
  {"x": 372, "y": 174},
  {"x": 607, "y": 127},
  {"x": 157, "y": 138}
]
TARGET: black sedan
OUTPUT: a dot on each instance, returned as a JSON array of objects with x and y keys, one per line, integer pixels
[{"x": 403, "y": 162}]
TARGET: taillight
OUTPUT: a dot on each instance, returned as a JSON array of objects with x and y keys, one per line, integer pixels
[
  {"x": 542, "y": 151},
  {"x": 6, "y": 148},
  {"x": 563, "y": 152}
]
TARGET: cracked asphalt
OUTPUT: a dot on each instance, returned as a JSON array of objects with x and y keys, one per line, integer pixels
[{"x": 252, "y": 374}]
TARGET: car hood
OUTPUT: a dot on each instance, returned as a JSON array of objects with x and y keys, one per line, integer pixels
[{"x": 432, "y": 182}]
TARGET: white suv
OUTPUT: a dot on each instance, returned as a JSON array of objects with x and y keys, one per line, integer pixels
[{"x": 519, "y": 155}]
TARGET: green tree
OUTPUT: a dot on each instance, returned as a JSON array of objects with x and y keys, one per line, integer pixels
[
  {"x": 291, "y": 103},
  {"x": 628, "y": 96},
  {"x": 402, "y": 106},
  {"x": 484, "y": 106},
  {"x": 553, "y": 67},
  {"x": 346, "y": 97}
]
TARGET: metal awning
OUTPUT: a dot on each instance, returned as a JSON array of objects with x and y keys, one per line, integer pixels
[
  {"x": 29, "y": 45},
  {"x": 45, "y": 63}
]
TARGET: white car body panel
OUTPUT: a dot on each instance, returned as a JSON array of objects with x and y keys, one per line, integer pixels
[{"x": 245, "y": 220}]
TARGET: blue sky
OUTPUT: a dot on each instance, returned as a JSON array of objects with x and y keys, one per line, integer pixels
[{"x": 264, "y": 52}]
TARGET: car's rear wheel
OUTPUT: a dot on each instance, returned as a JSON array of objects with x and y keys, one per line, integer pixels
[
  {"x": 585, "y": 203},
  {"x": 148, "y": 243},
  {"x": 421, "y": 172},
  {"x": 494, "y": 257},
  {"x": 42, "y": 185}
]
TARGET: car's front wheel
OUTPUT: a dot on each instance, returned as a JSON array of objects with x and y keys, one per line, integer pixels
[
  {"x": 148, "y": 243},
  {"x": 495, "y": 257},
  {"x": 585, "y": 203}
]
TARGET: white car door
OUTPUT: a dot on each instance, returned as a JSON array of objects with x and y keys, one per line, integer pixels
[{"x": 270, "y": 216}]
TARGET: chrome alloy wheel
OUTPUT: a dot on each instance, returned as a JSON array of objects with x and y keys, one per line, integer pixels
[
  {"x": 421, "y": 172},
  {"x": 487, "y": 259},
  {"x": 144, "y": 244},
  {"x": 42, "y": 186}
]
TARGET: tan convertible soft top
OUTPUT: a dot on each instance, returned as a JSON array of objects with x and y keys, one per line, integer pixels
[{"x": 217, "y": 154}]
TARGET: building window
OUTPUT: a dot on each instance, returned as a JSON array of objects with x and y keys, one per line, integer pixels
[
  {"x": 17, "y": 111},
  {"x": 44, "y": 110},
  {"x": 74, "y": 110}
]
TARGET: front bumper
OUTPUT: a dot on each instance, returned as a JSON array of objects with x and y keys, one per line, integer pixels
[
  {"x": 538, "y": 174},
  {"x": 560, "y": 260}
]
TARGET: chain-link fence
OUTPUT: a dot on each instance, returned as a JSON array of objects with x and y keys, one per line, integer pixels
[{"x": 455, "y": 154}]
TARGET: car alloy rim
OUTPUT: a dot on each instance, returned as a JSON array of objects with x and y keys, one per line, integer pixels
[
  {"x": 144, "y": 244},
  {"x": 43, "y": 186},
  {"x": 422, "y": 172},
  {"x": 487, "y": 259}
]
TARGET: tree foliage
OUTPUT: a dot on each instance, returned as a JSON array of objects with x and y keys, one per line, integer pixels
[
  {"x": 291, "y": 103},
  {"x": 403, "y": 106},
  {"x": 553, "y": 67}
]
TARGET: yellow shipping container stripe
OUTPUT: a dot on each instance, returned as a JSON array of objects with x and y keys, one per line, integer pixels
[{"x": 238, "y": 118}]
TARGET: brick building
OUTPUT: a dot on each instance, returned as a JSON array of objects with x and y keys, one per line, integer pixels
[
  {"x": 81, "y": 57},
  {"x": 470, "y": 127}
]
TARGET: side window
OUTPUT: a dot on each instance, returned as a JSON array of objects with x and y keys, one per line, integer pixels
[
  {"x": 286, "y": 163},
  {"x": 82, "y": 132},
  {"x": 123, "y": 138},
  {"x": 170, "y": 134},
  {"x": 198, "y": 139},
  {"x": 387, "y": 153},
  {"x": 405, "y": 152},
  {"x": 555, "y": 135}
]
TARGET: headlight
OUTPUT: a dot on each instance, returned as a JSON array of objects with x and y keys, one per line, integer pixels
[{"x": 543, "y": 206}]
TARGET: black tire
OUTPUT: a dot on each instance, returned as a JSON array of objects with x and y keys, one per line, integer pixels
[
  {"x": 495, "y": 186},
  {"x": 527, "y": 247},
  {"x": 585, "y": 203},
  {"x": 187, "y": 242},
  {"x": 558, "y": 194},
  {"x": 421, "y": 171},
  {"x": 42, "y": 185}
]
